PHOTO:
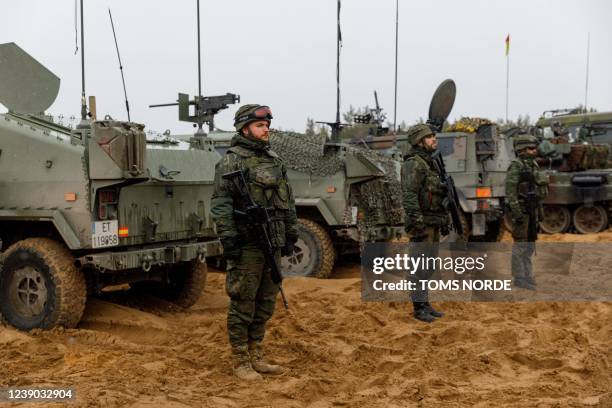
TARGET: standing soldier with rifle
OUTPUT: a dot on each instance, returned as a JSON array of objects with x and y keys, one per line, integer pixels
[
  {"x": 525, "y": 188},
  {"x": 251, "y": 190},
  {"x": 425, "y": 200}
]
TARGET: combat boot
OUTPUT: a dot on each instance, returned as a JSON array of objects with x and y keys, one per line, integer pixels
[
  {"x": 242, "y": 364},
  {"x": 258, "y": 363},
  {"x": 422, "y": 313},
  {"x": 524, "y": 283},
  {"x": 433, "y": 311}
]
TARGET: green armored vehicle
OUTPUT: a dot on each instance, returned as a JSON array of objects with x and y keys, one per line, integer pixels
[
  {"x": 476, "y": 156},
  {"x": 95, "y": 206},
  {"x": 593, "y": 127},
  {"x": 477, "y": 161},
  {"x": 577, "y": 158}
]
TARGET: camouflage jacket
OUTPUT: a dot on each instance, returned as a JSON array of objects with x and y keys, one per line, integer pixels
[
  {"x": 517, "y": 185},
  {"x": 422, "y": 191},
  {"x": 266, "y": 177}
]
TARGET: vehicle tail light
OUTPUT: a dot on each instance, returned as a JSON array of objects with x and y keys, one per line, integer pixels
[
  {"x": 483, "y": 204},
  {"x": 483, "y": 192},
  {"x": 107, "y": 204}
]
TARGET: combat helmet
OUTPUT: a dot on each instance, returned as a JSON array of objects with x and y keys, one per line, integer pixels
[
  {"x": 251, "y": 113},
  {"x": 417, "y": 133},
  {"x": 523, "y": 141}
]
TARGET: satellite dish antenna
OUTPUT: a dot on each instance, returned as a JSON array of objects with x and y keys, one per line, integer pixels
[
  {"x": 442, "y": 102},
  {"x": 26, "y": 86}
]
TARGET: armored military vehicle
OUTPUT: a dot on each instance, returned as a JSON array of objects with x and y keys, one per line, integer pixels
[
  {"x": 592, "y": 127},
  {"x": 576, "y": 153},
  {"x": 476, "y": 156},
  {"x": 84, "y": 208}
]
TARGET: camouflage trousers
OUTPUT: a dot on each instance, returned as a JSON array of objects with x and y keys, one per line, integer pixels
[
  {"x": 429, "y": 248},
  {"x": 252, "y": 296},
  {"x": 522, "y": 250}
]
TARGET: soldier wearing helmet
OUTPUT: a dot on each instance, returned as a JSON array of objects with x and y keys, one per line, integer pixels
[
  {"x": 248, "y": 282},
  {"x": 521, "y": 170},
  {"x": 426, "y": 216}
]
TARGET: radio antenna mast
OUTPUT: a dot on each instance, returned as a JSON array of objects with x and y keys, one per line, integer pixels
[
  {"x": 83, "y": 102},
  {"x": 395, "y": 85},
  {"x": 198, "y": 110},
  {"x": 127, "y": 104}
]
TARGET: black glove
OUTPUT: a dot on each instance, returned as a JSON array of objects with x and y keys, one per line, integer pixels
[
  {"x": 444, "y": 231},
  {"x": 231, "y": 248},
  {"x": 289, "y": 247}
]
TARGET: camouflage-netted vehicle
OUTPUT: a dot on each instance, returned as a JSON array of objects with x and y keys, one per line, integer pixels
[
  {"x": 592, "y": 127},
  {"x": 84, "y": 208},
  {"x": 576, "y": 154},
  {"x": 476, "y": 156},
  {"x": 345, "y": 195}
]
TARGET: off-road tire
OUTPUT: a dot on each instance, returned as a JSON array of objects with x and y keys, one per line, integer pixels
[
  {"x": 321, "y": 250},
  {"x": 64, "y": 285},
  {"x": 187, "y": 281}
]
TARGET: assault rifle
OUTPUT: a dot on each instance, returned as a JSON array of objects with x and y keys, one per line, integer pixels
[
  {"x": 532, "y": 205},
  {"x": 451, "y": 193},
  {"x": 258, "y": 217},
  {"x": 452, "y": 199}
]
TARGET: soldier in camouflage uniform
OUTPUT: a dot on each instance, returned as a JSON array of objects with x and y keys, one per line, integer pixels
[
  {"x": 248, "y": 282},
  {"x": 426, "y": 216},
  {"x": 517, "y": 185}
]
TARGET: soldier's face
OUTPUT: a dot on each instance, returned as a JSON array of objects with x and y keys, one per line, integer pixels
[
  {"x": 430, "y": 143},
  {"x": 531, "y": 151},
  {"x": 259, "y": 130}
]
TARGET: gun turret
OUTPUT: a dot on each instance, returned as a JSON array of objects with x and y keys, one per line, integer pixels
[{"x": 206, "y": 107}]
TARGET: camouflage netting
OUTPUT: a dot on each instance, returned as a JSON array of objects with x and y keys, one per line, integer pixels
[
  {"x": 379, "y": 199},
  {"x": 586, "y": 157},
  {"x": 305, "y": 153},
  {"x": 468, "y": 125}
]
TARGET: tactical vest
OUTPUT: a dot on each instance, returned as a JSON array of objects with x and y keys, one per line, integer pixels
[
  {"x": 540, "y": 179},
  {"x": 267, "y": 181},
  {"x": 432, "y": 195}
]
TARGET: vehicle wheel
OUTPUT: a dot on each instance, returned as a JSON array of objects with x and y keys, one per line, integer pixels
[
  {"x": 590, "y": 219},
  {"x": 187, "y": 282},
  {"x": 495, "y": 232},
  {"x": 40, "y": 287},
  {"x": 557, "y": 219},
  {"x": 184, "y": 286},
  {"x": 314, "y": 252}
]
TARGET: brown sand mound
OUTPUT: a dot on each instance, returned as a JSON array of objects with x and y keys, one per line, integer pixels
[{"x": 341, "y": 352}]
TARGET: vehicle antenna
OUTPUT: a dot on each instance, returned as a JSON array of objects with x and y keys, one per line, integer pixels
[
  {"x": 395, "y": 85},
  {"x": 199, "y": 112},
  {"x": 586, "y": 85},
  {"x": 336, "y": 128},
  {"x": 127, "y": 104},
  {"x": 83, "y": 101}
]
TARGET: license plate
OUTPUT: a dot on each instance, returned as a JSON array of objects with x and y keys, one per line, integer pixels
[
  {"x": 479, "y": 224},
  {"x": 104, "y": 234}
]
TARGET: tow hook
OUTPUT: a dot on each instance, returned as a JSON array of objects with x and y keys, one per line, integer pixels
[
  {"x": 202, "y": 255},
  {"x": 146, "y": 263}
]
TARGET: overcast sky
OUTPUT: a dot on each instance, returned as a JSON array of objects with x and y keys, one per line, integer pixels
[{"x": 283, "y": 53}]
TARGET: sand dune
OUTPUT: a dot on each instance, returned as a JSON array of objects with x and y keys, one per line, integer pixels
[{"x": 142, "y": 352}]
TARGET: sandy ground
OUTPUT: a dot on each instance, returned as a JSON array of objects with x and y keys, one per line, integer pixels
[{"x": 143, "y": 352}]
